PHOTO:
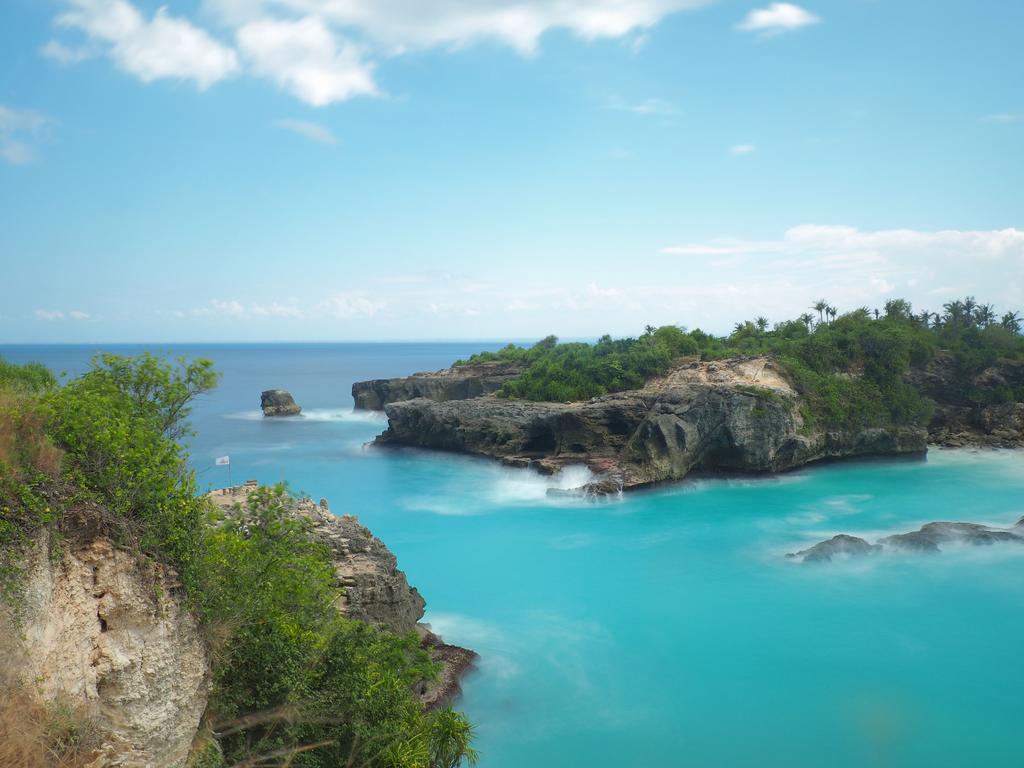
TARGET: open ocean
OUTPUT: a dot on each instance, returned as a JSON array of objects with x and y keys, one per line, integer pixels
[{"x": 664, "y": 629}]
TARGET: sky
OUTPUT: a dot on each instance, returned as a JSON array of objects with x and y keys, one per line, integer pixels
[{"x": 317, "y": 170}]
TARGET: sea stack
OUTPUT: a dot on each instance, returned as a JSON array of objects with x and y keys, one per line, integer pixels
[{"x": 279, "y": 402}]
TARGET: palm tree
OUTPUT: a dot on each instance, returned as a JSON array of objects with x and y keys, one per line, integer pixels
[
  {"x": 1011, "y": 321},
  {"x": 762, "y": 324},
  {"x": 955, "y": 312},
  {"x": 924, "y": 319},
  {"x": 820, "y": 305},
  {"x": 969, "y": 305},
  {"x": 807, "y": 318},
  {"x": 831, "y": 312},
  {"x": 877, "y": 313},
  {"x": 984, "y": 315}
]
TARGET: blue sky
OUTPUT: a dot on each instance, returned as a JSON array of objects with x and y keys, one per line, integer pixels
[{"x": 409, "y": 169}]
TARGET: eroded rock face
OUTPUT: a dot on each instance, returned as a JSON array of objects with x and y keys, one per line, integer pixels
[
  {"x": 926, "y": 539},
  {"x": 731, "y": 415},
  {"x": 279, "y": 402},
  {"x": 959, "y": 422},
  {"x": 457, "y": 383},
  {"x": 99, "y": 628},
  {"x": 374, "y": 589}
]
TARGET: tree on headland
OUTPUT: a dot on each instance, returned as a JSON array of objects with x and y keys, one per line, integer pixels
[
  {"x": 820, "y": 306},
  {"x": 1011, "y": 321}
]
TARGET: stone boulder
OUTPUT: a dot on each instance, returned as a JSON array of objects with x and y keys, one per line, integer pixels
[{"x": 279, "y": 402}]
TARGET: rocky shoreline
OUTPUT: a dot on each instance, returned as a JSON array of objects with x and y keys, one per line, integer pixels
[
  {"x": 733, "y": 415},
  {"x": 736, "y": 415},
  {"x": 373, "y": 588}
]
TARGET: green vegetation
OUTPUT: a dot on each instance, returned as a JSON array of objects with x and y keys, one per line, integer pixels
[
  {"x": 294, "y": 682},
  {"x": 850, "y": 367}
]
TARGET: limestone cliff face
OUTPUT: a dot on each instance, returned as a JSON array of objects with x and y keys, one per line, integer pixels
[
  {"x": 374, "y": 589},
  {"x": 958, "y": 420},
  {"x": 731, "y": 415},
  {"x": 102, "y": 630},
  {"x": 457, "y": 383}
]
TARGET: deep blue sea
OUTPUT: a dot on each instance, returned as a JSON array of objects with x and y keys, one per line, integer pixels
[{"x": 666, "y": 628}]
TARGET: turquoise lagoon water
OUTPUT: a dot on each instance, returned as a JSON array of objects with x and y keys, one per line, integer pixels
[{"x": 666, "y": 628}]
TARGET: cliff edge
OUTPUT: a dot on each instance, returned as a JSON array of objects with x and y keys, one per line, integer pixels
[{"x": 739, "y": 414}]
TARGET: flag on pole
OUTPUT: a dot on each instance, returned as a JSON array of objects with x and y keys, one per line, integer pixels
[{"x": 223, "y": 461}]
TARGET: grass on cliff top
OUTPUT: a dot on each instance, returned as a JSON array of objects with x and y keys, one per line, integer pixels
[
  {"x": 849, "y": 367},
  {"x": 293, "y": 681}
]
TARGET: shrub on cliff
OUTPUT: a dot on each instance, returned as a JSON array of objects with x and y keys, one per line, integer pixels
[
  {"x": 311, "y": 676},
  {"x": 293, "y": 681},
  {"x": 851, "y": 367}
]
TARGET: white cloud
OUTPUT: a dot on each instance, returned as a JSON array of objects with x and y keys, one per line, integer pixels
[
  {"x": 306, "y": 58},
  {"x": 63, "y": 54},
  {"x": 162, "y": 47},
  {"x": 307, "y": 130},
  {"x": 776, "y": 18},
  {"x": 645, "y": 107},
  {"x": 49, "y": 314},
  {"x": 852, "y": 266},
  {"x": 343, "y": 306},
  {"x": 77, "y": 314},
  {"x": 399, "y": 25},
  {"x": 324, "y": 51},
  {"x": 20, "y": 129},
  {"x": 234, "y": 309},
  {"x": 741, "y": 149},
  {"x": 1002, "y": 118},
  {"x": 833, "y": 239}
]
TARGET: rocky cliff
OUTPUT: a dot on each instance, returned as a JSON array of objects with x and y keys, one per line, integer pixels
[
  {"x": 456, "y": 383},
  {"x": 106, "y": 632},
  {"x": 731, "y": 415},
  {"x": 967, "y": 411},
  {"x": 373, "y": 588}
]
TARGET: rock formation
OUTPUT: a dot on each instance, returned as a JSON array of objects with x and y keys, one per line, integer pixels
[
  {"x": 927, "y": 538},
  {"x": 279, "y": 402},
  {"x": 374, "y": 589},
  {"x": 456, "y": 383},
  {"x": 106, "y": 631},
  {"x": 959, "y": 419},
  {"x": 731, "y": 415}
]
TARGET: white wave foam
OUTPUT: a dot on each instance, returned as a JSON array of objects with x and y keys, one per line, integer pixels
[
  {"x": 516, "y": 486},
  {"x": 315, "y": 415}
]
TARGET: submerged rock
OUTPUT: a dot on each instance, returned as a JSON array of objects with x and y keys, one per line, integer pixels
[
  {"x": 842, "y": 545},
  {"x": 926, "y": 539},
  {"x": 279, "y": 402}
]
